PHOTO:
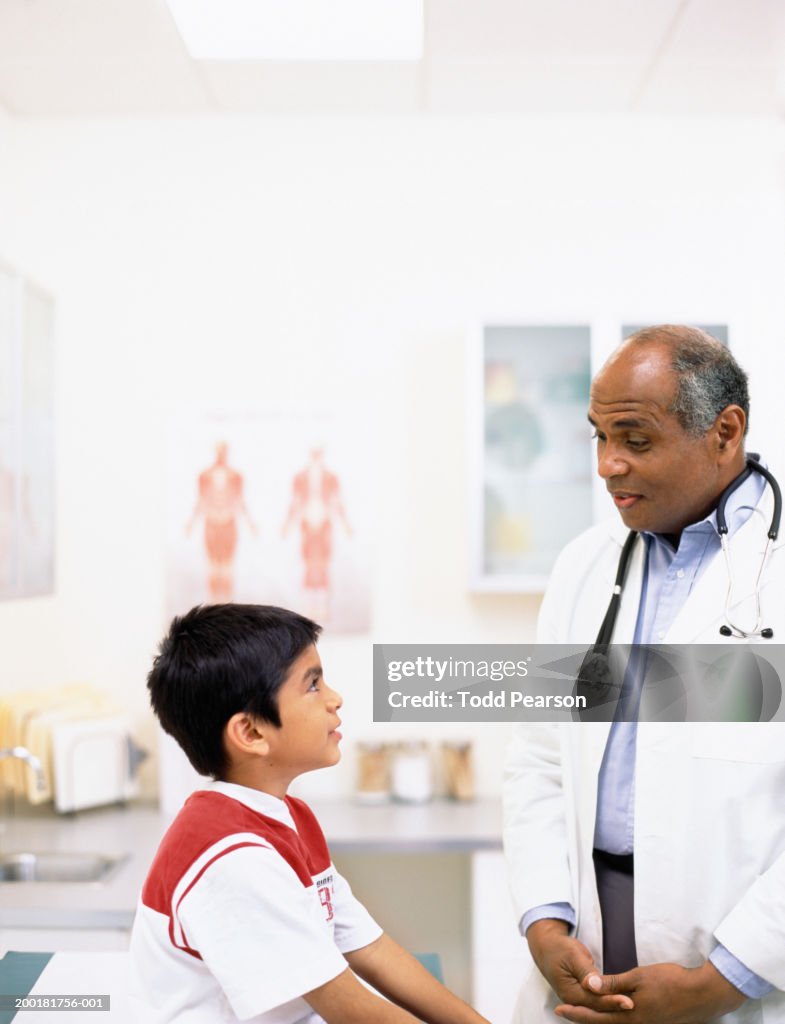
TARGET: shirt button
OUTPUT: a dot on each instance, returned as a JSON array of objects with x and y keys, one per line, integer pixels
[{"x": 680, "y": 574}]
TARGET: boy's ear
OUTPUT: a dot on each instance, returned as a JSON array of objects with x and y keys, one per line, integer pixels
[{"x": 246, "y": 734}]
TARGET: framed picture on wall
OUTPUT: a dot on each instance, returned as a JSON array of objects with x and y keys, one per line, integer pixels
[
  {"x": 26, "y": 438},
  {"x": 531, "y": 461}
]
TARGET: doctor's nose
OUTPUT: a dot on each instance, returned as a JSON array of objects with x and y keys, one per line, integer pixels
[{"x": 611, "y": 462}]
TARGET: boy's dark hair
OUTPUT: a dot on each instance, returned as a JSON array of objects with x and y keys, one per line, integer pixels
[{"x": 220, "y": 659}]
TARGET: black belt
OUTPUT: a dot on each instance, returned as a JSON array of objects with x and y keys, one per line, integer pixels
[{"x": 622, "y": 862}]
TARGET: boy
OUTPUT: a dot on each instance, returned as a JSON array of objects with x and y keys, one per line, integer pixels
[{"x": 243, "y": 916}]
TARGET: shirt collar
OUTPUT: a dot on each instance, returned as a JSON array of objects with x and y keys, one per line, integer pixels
[{"x": 256, "y": 799}]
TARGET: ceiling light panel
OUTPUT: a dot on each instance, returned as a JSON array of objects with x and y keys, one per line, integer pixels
[{"x": 300, "y": 30}]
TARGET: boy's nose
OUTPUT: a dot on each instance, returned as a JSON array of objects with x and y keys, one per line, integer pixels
[{"x": 334, "y": 698}]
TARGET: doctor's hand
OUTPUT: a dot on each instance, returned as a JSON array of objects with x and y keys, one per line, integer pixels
[
  {"x": 564, "y": 962},
  {"x": 666, "y": 993}
]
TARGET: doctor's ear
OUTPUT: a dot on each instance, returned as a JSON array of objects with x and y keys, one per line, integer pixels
[
  {"x": 729, "y": 431},
  {"x": 246, "y": 734}
]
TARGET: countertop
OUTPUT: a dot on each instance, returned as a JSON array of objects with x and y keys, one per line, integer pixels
[{"x": 135, "y": 829}]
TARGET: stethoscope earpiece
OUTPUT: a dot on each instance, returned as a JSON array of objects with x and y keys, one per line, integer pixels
[{"x": 766, "y": 633}]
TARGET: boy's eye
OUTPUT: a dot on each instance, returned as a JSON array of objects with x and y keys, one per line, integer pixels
[{"x": 314, "y": 685}]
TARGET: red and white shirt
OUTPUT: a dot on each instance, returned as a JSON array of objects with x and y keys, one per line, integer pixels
[{"x": 242, "y": 913}]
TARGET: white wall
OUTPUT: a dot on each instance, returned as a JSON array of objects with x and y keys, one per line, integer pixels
[{"x": 237, "y": 264}]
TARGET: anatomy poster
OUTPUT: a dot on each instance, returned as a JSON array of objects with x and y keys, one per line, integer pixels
[{"x": 271, "y": 510}]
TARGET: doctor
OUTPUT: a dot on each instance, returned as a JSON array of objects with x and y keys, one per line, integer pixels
[{"x": 653, "y": 852}]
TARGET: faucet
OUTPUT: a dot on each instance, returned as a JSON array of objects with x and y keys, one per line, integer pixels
[{"x": 23, "y": 754}]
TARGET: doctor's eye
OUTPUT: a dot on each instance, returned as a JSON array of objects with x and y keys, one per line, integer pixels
[{"x": 597, "y": 436}]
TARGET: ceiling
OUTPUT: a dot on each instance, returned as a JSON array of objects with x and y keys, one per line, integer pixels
[{"x": 83, "y": 58}]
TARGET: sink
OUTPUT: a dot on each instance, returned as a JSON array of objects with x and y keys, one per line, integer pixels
[{"x": 57, "y": 867}]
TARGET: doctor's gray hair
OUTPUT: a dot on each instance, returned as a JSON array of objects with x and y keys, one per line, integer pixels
[{"x": 708, "y": 377}]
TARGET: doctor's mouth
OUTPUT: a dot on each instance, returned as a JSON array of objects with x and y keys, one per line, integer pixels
[{"x": 625, "y": 499}]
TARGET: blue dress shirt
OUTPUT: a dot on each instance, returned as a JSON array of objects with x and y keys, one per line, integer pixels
[{"x": 669, "y": 575}]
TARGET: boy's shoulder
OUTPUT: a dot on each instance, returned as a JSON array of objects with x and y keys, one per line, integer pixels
[{"x": 212, "y": 825}]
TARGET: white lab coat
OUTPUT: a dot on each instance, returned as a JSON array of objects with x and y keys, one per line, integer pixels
[{"x": 709, "y": 798}]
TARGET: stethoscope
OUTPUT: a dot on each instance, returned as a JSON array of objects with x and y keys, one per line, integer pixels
[{"x": 729, "y": 628}]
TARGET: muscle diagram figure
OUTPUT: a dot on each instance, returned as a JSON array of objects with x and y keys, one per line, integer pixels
[
  {"x": 220, "y": 503},
  {"x": 315, "y": 505}
]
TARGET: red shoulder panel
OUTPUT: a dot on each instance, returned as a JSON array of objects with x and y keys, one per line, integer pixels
[{"x": 206, "y": 818}]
